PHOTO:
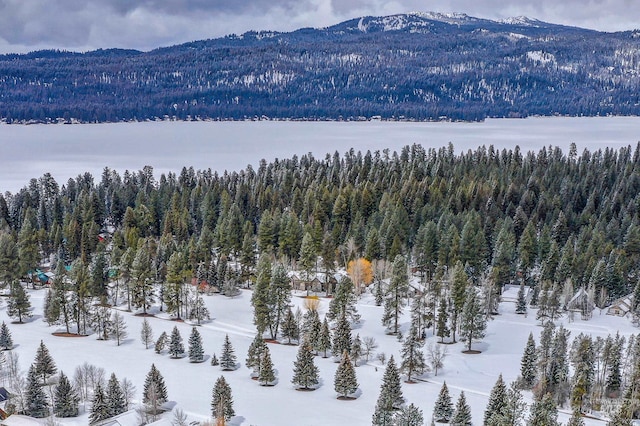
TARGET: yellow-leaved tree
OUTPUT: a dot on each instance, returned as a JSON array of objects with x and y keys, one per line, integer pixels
[{"x": 360, "y": 272}]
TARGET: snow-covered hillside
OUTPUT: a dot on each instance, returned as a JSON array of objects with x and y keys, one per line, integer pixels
[{"x": 190, "y": 385}]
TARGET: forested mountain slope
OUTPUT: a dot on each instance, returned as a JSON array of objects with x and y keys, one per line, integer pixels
[{"x": 420, "y": 66}]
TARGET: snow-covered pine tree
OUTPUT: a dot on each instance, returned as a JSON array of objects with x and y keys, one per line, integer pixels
[
  {"x": 99, "y": 406},
  {"x": 528, "y": 364},
  {"x": 196, "y": 352},
  {"x": 260, "y": 296},
  {"x": 473, "y": 321},
  {"x": 228, "y": 358},
  {"x": 289, "y": 327},
  {"x": 409, "y": 415},
  {"x": 214, "y": 360},
  {"x": 305, "y": 372},
  {"x": 395, "y": 300},
  {"x": 443, "y": 409},
  {"x": 65, "y": 398},
  {"x": 199, "y": 310},
  {"x": 267, "y": 375},
  {"x": 51, "y": 308},
  {"x": 521, "y": 302},
  {"x": 35, "y": 399},
  {"x": 118, "y": 329},
  {"x": 442, "y": 320},
  {"x": 6, "y": 341},
  {"x": 279, "y": 296},
  {"x": 161, "y": 342},
  {"x": 391, "y": 389},
  {"x": 146, "y": 333},
  {"x": 512, "y": 413},
  {"x": 154, "y": 393},
  {"x": 356, "y": 350},
  {"x": 344, "y": 302},
  {"x": 115, "y": 397},
  {"x": 576, "y": 418},
  {"x": 412, "y": 355},
  {"x": 324, "y": 339},
  {"x": 18, "y": 305},
  {"x": 344, "y": 381},
  {"x": 462, "y": 414},
  {"x": 382, "y": 416},
  {"x": 623, "y": 415},
  {"x": 544, "y": 412},
  {"x": 497, "y": 400},
  {"x": 176, "y": 348},
  {"x": 44, "y": 365},
  {"x": 222, "y": 400},
  {"x": 254, "y": 354},
  {"x": 341, "y": 337}
]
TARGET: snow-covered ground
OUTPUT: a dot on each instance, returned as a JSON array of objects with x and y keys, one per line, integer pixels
[{"x": 190, "y": 385}]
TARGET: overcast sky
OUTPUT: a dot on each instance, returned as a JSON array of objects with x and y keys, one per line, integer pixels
[{"x": 81, "y": 25}]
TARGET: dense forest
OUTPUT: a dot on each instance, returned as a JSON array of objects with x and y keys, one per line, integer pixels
[{"x": 403, "y": 67}]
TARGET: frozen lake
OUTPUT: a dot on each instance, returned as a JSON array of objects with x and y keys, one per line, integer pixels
[{"x": 67, "y": 150}]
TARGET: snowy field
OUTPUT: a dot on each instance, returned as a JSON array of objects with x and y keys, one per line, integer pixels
[
  {"x": 67, "y": 150},
  {"x": 190, "y": 385}
]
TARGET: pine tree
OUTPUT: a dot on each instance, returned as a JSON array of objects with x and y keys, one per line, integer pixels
[
  {"x": 409, "y": 415},
  {"x": 394, "y": 302},
  {"x": 222, "y": 400},
  {"x": 341, "y": 337},
  {"x": 18, "y": 305},
  {"x": 576, "y": 418},
  {"x": 176, "y": 348},
  {"x": 115, "y": 397},
  {"x": 51, "y": 308},
  {"x": 99, "y": 406},
  {"x": 267, "y": 374},
  {"x": 260, "y": 296},
  {"x": 44, "y": 364},
  {"x": 146, "y": 333},
  {"x": 344, "y": 302},
  {"x": 544, "y": 412},
  {"x": 228, "y": 358},
  {"x": 155, "y": 391},
  {"x": 462, "y": 414},
  {"x": 142, "y": 295},
  {"x": 196, "y": 352},
  {"x": 528, "y": 363},
  {"x": 199, "y": 310},
  {"x": 473, "y": 320},
  {"x": 344, "y": 381},
  {"x": 279, "y": 296},
  {"x": 459, "y": 285},
  {"x": 6, "y": 341},
  {"x": 65, "y": 398},
  {"x": 356, "y": 350},
  {"x": 214, "y": 360},
  {"x": 118, "y": 329},
  {"x": 305, "y": 372},
  {"x": 512, "y": 412},
  {"x": 442, "y": 328},
  {"x": 443, "y": 409},
  {"x": 36, "y": 403},
  {"x": 521, "y": 302},
  {"x": 311, "y": 327},
  {"x": 497, "y": 400},
  {"x": 622, "y": 416},
  {"x": 412, "y": 355},
  {"x": 289, "y": 327},
  {"x": 324, "y": 339},
  {"x": 390, "y": 390},
  {"x": 254, "y": 354},
  {"x": 161, "y": 342}
]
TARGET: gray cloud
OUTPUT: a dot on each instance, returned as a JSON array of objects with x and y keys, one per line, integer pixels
[{"x": 89, "y": 24}]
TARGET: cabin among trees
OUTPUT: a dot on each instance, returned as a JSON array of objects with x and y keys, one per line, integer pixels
[{"x": 621, "y": 307}]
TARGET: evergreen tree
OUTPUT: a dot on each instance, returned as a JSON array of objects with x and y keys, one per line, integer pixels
[
  {"x": 341, "y": 337},
  {"x": 176, "y": 348},
  {"x": 409, "y": 415},
  {"x": 115, "y": 397},
  {"x": 228, "y": 358},
  {"x": 279, "y": 298},
  {"x": 51, "y": 308},
  {"x": 497, "y": 401},
  {"x": 412, "y": 355},
  {"x": 622, "y": 416},
  {"x": 154, "y": 391},
  {"x": 289, "y": 327},
  {"x": 512, "y": 413},
  {"x": 356, "y": 350},
  {"x": 473, "y": 320},
  {"x": 462, "y": 414},
  {"x": 142, "y": 278},
  {"x": 459, "y": 286},
  {"x": 344, "y": 302},
  {"x": 6, "y": 341},
  {"x": 267, "y": 375},
  {"x": 576, "y": 418},
  {"x": 442, "y": 328},
  {"x": 260, "y": 296},
  {"x": 521, "y": 302},
  {"x": 544, "y": 412},
  {"x": 65, "y": 398},
  {"x": 394, "y": 302},
  {"x": 99, "y": 406},
  {"x": 18, "y": 305},
  {"x": 44, "y": 365},
  {"x": 305, "y": 372},
  {"x": 198, "y": 310},
  {"x": 146, "y": 333},
  {"x": 311, "y": 327},
  {"x": 344, "y": 381},
  {"x": 528, "y": 364},
  {"x": 308, "y": 255},
  {"x": 161, "y": 342},
  {"x": 583, "y": 360},
  {"x": 196, "y": 352},
  {"x": 324, "y": 339},
  {"x": 36, "y": 403},
  {"x": 443, "y": 409},
  {"x": 391, "y": 386},
  {"x": 118, "y": 329},
  {"x": 254, "y": 354},
  {"x": 214, "y": 360},
  {"x": 222, "y": 400}
]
